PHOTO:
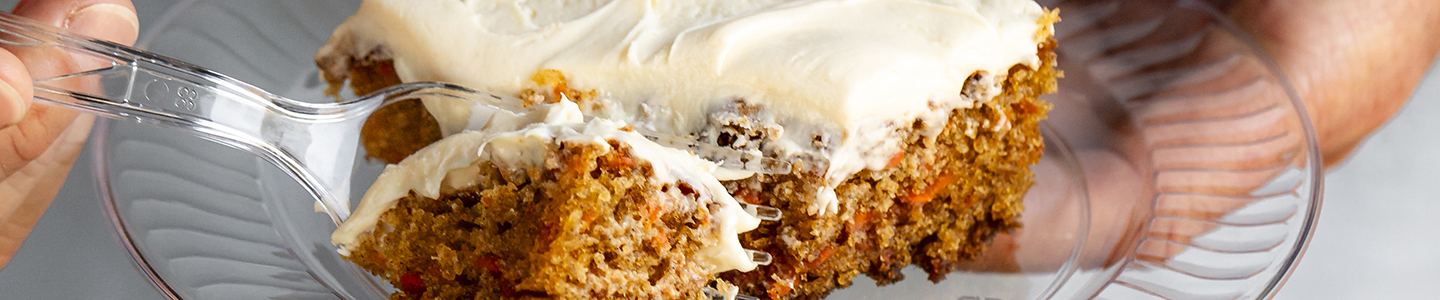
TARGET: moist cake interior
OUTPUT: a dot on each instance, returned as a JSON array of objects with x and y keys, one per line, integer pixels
[{"x": 519, "y": 236}]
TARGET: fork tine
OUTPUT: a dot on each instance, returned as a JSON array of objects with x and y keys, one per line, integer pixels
[
  {"x": 759, "y": 257},
  {"x": 763, "y": 212},
  {"x": 715, "y": 294}
]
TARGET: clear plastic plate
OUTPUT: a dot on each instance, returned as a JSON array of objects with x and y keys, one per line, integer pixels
[{"x": 1178, "y": 165}]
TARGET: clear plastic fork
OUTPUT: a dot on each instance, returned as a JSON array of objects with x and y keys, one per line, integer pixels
[{"x": 315, "y": 143}]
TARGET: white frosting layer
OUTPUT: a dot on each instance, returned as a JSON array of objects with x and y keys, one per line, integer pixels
[
  {"x": 849, "y": 71},
  {"x": 523, "y": 141}
]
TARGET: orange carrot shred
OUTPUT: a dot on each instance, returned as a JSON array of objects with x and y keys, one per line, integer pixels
[
  {"x": 896, "y": 159},
  {"x": 861, "y": 220},
  {"x": 824, "y": 255},
  {"x": 930, "y": 192},
  {"x": 778, "y": 291}
]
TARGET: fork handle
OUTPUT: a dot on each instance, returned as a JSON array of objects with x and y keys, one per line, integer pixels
[{"x": 313, "y": 142}]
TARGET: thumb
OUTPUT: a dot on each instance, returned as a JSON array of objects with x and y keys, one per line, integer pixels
[
  {"x": 111, "y": 20},
  {"x": 14, "y": 89},
  {"x": 107, "y": 21}
]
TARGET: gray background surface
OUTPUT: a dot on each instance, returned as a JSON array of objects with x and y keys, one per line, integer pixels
[{"x": 1376, "y": 238}]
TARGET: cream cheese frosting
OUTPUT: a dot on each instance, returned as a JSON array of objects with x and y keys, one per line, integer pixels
[
  {"x": 518, "y": 141},
  {"x": 849, "y": 74}
]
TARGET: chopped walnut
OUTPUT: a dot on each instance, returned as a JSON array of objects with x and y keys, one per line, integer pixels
[{"x": 740, "y": 125}]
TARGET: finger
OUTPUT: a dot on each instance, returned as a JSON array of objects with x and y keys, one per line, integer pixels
[
  {"x": 15, "y": 90},
  {"x": 29, "y": 190},
  {"x": 112, "y": 20}
]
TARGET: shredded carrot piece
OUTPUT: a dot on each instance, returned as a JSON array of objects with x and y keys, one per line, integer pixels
[
  {"x": 652, "y": 213},
  {"x": 622, "y": 162},
  {"x": 861, "y": 220},
  {"x": 824, "y": 255},
  {"x": 750, "y": 198},
  {"x": 587, "y": 218},
  {"x": 660, "y": 241},
  {"x": 895, "y": 160},
  {"x": 930, "y": 192},
  {"x": 778, "y": 291}
]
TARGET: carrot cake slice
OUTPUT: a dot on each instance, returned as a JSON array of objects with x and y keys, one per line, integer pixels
[
  {"x": 546, "y": 204},
  {"x": 908, "y": 126}
]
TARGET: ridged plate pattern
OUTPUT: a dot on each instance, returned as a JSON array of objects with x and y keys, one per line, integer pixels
[
  {"x": 1212, "y": 129},
  {"x": 194, "y": 212}
]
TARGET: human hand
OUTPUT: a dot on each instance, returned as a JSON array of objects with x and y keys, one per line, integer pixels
[
  {"x": 1209, "y": 142},
  {"x": 1355, "y": 63},
  {"x": 38, "y": 144}
]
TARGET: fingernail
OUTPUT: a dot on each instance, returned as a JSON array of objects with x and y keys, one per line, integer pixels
[
  {"x": 13, "y": 107},
  {"x": 106, "y": 21}
]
